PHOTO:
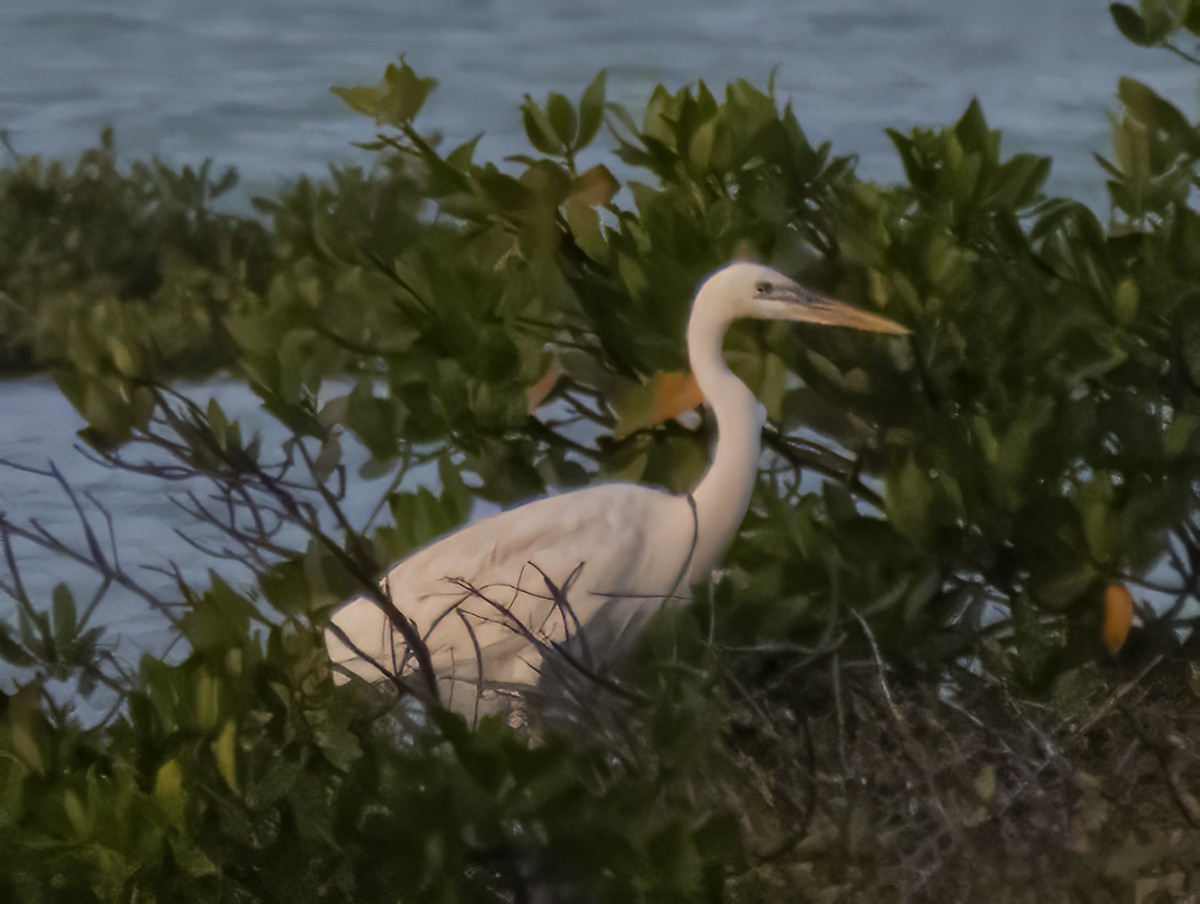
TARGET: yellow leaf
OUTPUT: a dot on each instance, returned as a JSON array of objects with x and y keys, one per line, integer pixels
[
  {"x": 77, "y": 814},
  {"x": 168, "y": 789},
  {"x": 208, "y": 698},
  {"x": 1125, "y": 302},
  {"x": 224, "y": 749},
  {"x": 985, "y": 783}
]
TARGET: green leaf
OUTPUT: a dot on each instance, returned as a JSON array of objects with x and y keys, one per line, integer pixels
[
  {"x": 1178, "y": 436},
  {"x": 914, "y": 171},
  {"x": 402, "y": 93},
  {"x": 562, "y": 119},
  {"x": 287, "y": 589},
  {"x": 1058, "y": 588},
  {"x": 11, "y": 651},
  {"x": 496, "y": 359},
  {"x": 1130, "y": 24},
  {"x": 329, "y": 458},
  {"x": 973, "y": 133},
  {"x": 64, "y": 615},
  {"x": 219, "y": 620},
  {"x": 624, "y": 117},
  {"x": 924, "y": 588},
  {"x": 909, "y": 499},
  {"x": 839, "y": 504},
  {"x": 503, "y": 190},
  {"x": 457, "y": 498},
  {"x": 218, "y": 423},
  {"x": 361, "y": 98},
  {"x": 462, "y": 156},
  {"x": 1017, "y": 182},
  {"x": 591, "y": 111},
  {"x": 539, "y": 129},
  {"x": 1099, "y": 520},
  {"x": 373, "y": 420},
  {"x": 1156, "y": 112},
  {"x": 1162, "y": 17},
  {"x": 584, "y": 222},
  {"x": 700, "y": 147}
]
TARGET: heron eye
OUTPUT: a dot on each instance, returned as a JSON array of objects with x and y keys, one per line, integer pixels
[{"x": 763, "y": 288}]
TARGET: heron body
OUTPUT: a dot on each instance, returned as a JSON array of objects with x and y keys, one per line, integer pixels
[{"x": 583, "y": 570}]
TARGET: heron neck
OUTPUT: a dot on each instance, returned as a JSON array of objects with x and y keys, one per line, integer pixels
[{"x": 723, "y": 494}]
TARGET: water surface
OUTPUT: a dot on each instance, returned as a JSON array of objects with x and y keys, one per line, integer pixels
[{"x": 246, "y": 81}]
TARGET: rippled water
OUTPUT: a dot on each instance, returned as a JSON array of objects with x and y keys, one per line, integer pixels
[
  {"x": 39, "y": 428},
  {"x": 246, "y": 82}
]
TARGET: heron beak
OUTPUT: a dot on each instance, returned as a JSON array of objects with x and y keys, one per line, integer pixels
[{"x": 808, "y": 307}]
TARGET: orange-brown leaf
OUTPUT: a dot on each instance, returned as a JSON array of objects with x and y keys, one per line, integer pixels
[
  {"x": 674, "y": 393},
  {"x": 1118, "y": 616},
  {"x": 667, "y": 394},
  {"x": 536, "y": 394},
  {"x": 595, "y": 187}
]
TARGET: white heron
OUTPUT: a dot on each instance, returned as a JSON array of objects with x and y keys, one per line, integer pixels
[{"x": 481, "y": 597}]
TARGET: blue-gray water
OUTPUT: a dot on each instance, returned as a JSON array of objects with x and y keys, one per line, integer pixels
[{"x": 246, "y": 82}]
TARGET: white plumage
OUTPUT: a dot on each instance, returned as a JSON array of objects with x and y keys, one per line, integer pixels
[
  {"x": 610, "y": 537},
  {"x": 480, "y": 598}
]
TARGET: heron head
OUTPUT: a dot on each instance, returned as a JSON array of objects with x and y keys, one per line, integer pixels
[{"x": 755, "y": 291}]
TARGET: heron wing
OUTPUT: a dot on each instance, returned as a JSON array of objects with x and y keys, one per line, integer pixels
[{"x": 489, "y": 596}]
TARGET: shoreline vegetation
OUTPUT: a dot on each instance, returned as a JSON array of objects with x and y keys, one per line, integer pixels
[
  {"x": 966, "y": 667},
  {"x": 135, "y": 249}
]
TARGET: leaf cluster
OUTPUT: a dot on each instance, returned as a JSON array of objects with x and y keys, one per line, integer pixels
[
  {"x": 241, "y": 773},
  {"x": 136, "y": 255}
]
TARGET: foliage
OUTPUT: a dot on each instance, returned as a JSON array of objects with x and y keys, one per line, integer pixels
[
  {"x": 944, "y": 590},
  {"x": 138, "y": 256}
]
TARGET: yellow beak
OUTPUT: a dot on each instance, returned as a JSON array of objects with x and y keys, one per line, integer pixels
[{"x": 808, "y": 307}]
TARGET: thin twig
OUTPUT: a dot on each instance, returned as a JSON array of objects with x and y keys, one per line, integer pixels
[
  {"x": 1118, "y": 694},
  {"x": 880, "y": 667}
]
